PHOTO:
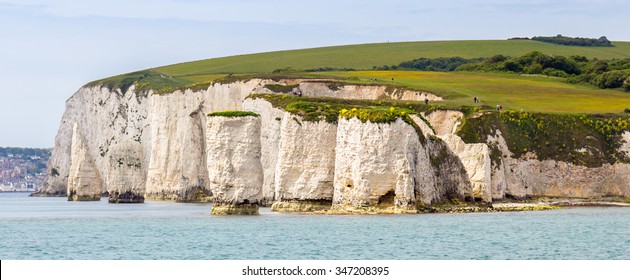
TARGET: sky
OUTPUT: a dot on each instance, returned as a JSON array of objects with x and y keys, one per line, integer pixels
[{"x": 49, "y": 49}]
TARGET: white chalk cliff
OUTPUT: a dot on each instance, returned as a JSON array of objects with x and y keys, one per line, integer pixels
[
  {"x": 126, "y": 174},
  {"x": 375, "y": 166},
  {"x": 475, "y": 157},
  {"x": 305, "y": 164},
  {"x": 139, "y": 145}
]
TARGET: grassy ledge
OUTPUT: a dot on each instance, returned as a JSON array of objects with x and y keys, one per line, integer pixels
[
  {"x": 233, "y": 114},
  {"x": 377, "y": 114},
  {"x": 329, "y": 109}
]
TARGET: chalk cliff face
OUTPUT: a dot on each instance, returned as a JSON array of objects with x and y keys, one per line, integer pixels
[
  {"x": 137, "y": 145},
  {"x": 234, "y": 167},
  {"x": 384, "y": 167},
  {"x": 104, "y": 117},
  {"x": 270, "y": 122},
  {"x": 126, "y": 175},
  {"x": 374, "y": 166},
  {"x": 528, "y": 176},
  {"x": 475, "y": 158},
  {"x": 476, "y": 161},
  {"x": 323, "y": 89},
  {"x": 305, "y": 165},
  {"x": 167, "y": 127},
  {"x": 84, "y": 181},
  {"x": 177, "y": 169}
]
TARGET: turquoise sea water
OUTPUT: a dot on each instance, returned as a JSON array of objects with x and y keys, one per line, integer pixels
[{"x": 52, "y": 228}]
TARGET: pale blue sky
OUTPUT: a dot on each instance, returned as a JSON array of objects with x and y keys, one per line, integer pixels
[{"x": 48, "y": 49}]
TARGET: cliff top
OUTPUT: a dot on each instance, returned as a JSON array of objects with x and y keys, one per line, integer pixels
[{"x": 544, "y": 92}]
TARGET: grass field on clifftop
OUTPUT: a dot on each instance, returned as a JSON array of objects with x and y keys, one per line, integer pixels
[
  {"x": 364, "y": 57},
  {"x": 514, "y": 92}
]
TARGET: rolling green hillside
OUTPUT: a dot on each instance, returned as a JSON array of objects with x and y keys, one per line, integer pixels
[
  {"x": 513, "y": 91},
  {"x": 363, "y": 57}
]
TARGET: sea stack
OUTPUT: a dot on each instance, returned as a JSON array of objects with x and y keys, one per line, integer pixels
[
  {"x": 84, "y": 182},
  {"x": 234, "y": 168}
]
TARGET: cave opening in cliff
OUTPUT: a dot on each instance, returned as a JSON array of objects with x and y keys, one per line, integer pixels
[{"x": 387, "y": 199}]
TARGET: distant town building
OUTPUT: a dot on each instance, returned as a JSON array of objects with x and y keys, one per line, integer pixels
[{"x": 22, "y": 169}]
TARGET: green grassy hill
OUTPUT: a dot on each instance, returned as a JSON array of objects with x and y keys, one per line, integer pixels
[
  {"x": 514, "y": 92},
  {"x": 364, "y": 57}
]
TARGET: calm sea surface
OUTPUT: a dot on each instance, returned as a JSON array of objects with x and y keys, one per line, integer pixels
[{"x": 52, "y": 228}]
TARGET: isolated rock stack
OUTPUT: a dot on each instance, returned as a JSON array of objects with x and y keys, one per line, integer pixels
[
  {"x": 234, "y": 167},
  {"x": 84, "y": 182}
]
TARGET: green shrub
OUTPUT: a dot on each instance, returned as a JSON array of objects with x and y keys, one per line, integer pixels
[
  {"x": 315, "y": 111},
  {"x": 619, "y": 64},
  {"x": 626, "y": 84},
  {"x": 379, "y": 114},
  {"x": 512, "y": 66},
  {"x": 611, "y": 79},
  {"x": 533, "y": 69},
  {"x": 438, "y": 64},
  {"x": 582, "y": 79},
  {"x": 496, "y": 59},
  {"x": 597, "y": 67},
  {"x": 579, "y": 58},
  {"x": 554, "y": 73},
  {"x": 471, "y": 67}
]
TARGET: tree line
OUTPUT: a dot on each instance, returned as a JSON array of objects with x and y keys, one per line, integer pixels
[
  {"x": 575, "y": 69},
  {"x": 570, "y": 41}
]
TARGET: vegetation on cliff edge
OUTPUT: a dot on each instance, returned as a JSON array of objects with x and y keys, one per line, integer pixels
[
  {"x": 233, "y": 114},
  {"x": 330, "y": 109},
  {"x": 581, "y": 139}
]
